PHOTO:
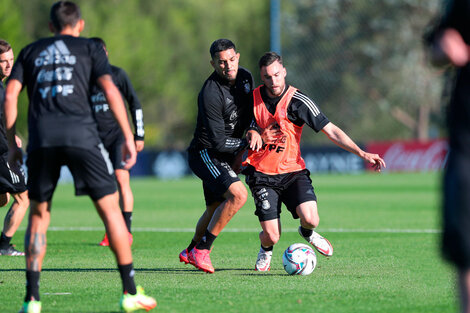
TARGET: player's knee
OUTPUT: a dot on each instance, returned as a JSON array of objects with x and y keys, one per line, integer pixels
[
  {"x": 242, "y": 196},
  {"x": 239, "y": 197},
  {"x": 122, "y": 178},
  {"x": 311, "y": 221},
  {"x": 22, "y": 200}
]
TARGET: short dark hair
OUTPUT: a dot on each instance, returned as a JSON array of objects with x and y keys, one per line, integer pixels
[
  {"x": 221, "y": 45},
  {"x": 64, "y": 13},
  {"x": 269, "y": 58},
  {"x": 98, "y": 41},
  {"x": 4, "y": 46}
]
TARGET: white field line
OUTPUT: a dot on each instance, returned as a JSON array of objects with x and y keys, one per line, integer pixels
[{"x": 255, "y": 230}]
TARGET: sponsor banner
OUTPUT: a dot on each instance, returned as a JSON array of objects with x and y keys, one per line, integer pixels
[
  {"x": 411, "y": 156},
  {"x": 172, "y": 164},
  {"x": 399, "y": 156},
  {"x": 165, "y": 164},
  {"x": 331, "y": 159}
]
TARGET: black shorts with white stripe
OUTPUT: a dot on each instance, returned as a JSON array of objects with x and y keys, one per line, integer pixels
[
  {"x": 12, "y": 179},
  {"x": 113, "y": 145},
  {"x": 217, "y": 175},
  {"x": 92, "y": 171}
]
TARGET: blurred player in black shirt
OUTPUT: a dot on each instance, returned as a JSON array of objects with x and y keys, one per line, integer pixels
[
  {"x": 58, "y": 73},
  {"x": 214, "y": 155},
  {"x": 12, "y": 180},
  {"x": 112, "y": 137},
  {"x": 449, "y": 43}
]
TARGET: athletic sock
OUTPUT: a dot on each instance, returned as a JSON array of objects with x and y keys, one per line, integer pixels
[
  {"x": 191, "y": 245},
  {"x": 128, "y": 220},
  {"x": 4, "y": 241},
  {"x": 306, "y": 232},
  {"x": 32, "y": 286},
  {"x": 127, "y": 276},
  {"x": 206, "y": 241},
  {"x": 268, "y": 248}
]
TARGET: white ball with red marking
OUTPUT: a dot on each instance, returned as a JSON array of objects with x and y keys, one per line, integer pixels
[{"x": 299, "y": 259}]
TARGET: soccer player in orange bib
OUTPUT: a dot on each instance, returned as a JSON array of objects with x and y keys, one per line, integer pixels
[{"x": 275, "y": 170}]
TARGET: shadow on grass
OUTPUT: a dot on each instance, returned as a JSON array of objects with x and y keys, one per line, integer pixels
[
  {"x": 103, "y": 270},
  {"x": 186, "y": 270}
]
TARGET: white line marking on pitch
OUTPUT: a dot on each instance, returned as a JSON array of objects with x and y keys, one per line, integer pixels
[
  {"x": 57, "y": 293},
  {"x": 251, "y": 230}
]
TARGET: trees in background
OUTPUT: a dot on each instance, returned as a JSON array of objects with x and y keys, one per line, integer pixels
[
  {"x": 362, "y": 61},
  {"x": 162, "y": 44}
]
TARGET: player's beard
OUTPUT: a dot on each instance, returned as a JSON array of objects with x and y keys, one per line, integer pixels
[
  {"x": 276, "y": 91},
  {"x": 231, "y": 76}
]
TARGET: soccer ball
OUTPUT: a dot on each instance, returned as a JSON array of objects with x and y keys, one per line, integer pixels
[{"x": 299, "y": 259}]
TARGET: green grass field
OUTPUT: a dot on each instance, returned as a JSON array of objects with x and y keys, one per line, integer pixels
[{"x": 384, "y": 229}]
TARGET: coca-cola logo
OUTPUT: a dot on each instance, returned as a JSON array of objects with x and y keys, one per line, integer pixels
[{"x": 415, "y": 157}]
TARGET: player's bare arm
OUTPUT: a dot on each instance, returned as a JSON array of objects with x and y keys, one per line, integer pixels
[
  {"x": 341, "y": 139},
  {"x": 116, "y": 105}
]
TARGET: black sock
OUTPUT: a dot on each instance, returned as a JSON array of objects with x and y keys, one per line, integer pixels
[
  {"x": 32, "y": 286},
  {"x": 268, "y": 248},
  {"x": 206, "y": 241},
  {"x": 191, "y": 245},
  {"x": 306, "y": 232},
  {"x": 128, "y": 220},
  {"x": 127, "y": 276},
  {"x": 4, "y": 241}
]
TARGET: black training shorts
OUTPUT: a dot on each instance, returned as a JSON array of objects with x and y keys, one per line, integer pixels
[
  {"x": 91, "y": 169},
  {"x": 456, "y": 213},
  {"x": 114, "y": 147},
  {"x": 270, "y": 191},
  {"x": 12, "y": 179},
  {"x": 216, "y": 175}
]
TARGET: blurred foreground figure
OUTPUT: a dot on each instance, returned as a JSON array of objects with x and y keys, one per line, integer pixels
[{"x": 448, "y": 43}]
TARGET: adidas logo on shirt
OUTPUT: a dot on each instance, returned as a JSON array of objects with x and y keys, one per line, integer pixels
[{"x": 57, "y": 53}]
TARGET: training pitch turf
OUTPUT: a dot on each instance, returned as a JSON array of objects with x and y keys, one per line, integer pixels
[{"x": 384, "y": 229}]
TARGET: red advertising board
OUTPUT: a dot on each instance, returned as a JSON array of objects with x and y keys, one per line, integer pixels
[{"x": 411, "y": 156}]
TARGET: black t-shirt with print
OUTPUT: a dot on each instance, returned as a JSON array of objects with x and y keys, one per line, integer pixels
[
  {"x": 58, "y": 73},
  {"x": 108, "y": 127}
]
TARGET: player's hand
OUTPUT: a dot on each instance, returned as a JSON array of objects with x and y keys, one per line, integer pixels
[
  {"x": 271, "y": 133},
  {"x": 129, "y": 153},
  {"x": 254, "y": 140},
  {"x": 18, "y": 141},
  {"x": 139, "y": 145},
  {"x": 454, "y": 47},
  {"x": 376, "y": 161}
]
